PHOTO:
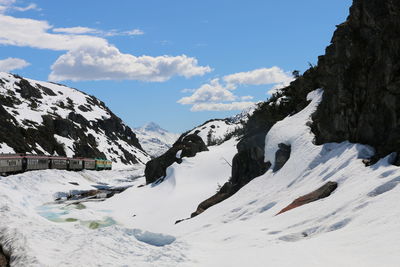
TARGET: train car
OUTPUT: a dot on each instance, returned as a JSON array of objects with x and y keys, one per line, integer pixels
[
  {"x": 108, "y": 164},
  {"x": 14, "y": 163},
  {"x": 103, "y": 164},
  {"x": 35, "y": 162},
  {"x": 60, "y": 163},
  {"x": 75, "y": 164},
  {"x": 11, "y": 163},
  {"x": 89, "y": 164}
]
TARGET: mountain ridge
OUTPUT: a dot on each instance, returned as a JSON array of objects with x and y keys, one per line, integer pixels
[{"x": 48, "y": 118}]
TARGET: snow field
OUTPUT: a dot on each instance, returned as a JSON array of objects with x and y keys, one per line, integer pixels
[{"x": 357, "y": 225}]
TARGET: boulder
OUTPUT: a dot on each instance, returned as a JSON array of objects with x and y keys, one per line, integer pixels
[{"x": 322, "y": 192}]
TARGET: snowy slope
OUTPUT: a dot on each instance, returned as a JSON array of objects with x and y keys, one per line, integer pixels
[
  {"x": 55, "y": 119},
  {"x": 357, "y": 225},
  {"x": 215, "y": 131},
  {"x": 154, "y": 139}
]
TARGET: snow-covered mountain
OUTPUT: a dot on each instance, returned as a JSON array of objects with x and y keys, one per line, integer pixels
[
  {"x": 48, "y": 118},
  {"x": 154, "y": 139}
]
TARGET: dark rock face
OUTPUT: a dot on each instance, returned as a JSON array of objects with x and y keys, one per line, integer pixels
[
  {"x": 361, "y": 77},
  {"x": 190, "y": 146},
  {"x": 4, "y": 260},
  {"x": 27, "y": 91},
  {"x": 282, "y": 155},
  {"x": 247, "y": 164},
  {"x": 226, "y": 191},
  {"x": 322, "y": 192}
]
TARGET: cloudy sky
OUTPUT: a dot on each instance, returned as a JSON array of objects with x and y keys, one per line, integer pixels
[{"x": 177, "y": 63}]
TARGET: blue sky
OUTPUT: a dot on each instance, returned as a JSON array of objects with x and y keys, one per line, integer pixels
[{"x": 177, "y": 63}]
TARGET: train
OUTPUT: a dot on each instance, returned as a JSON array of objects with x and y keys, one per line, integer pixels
[{"x": 21, "y": 162}]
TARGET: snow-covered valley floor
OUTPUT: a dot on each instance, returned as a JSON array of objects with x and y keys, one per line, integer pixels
[{"x": 357, "y": 225}]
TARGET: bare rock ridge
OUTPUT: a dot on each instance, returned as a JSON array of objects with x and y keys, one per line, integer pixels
[{"x": 46, "y": 118}]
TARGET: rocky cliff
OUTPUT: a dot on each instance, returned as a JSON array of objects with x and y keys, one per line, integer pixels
[
  {"x": 47, "y": 118},
  {"x": 360, "y": 73}
]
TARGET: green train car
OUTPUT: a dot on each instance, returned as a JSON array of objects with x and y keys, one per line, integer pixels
[{"x": 103, "y": 164}]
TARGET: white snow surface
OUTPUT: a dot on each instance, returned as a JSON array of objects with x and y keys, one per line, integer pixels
[
  {"x": 154, "y": 139},
  {"x": 215, "y": 130},
  {"x": 357, "y": 225}
]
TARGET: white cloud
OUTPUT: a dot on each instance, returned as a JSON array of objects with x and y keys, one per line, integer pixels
[
  {"x": 108, "y": 63},
  {"x": 86, "y": 30},
  {"x": 247, "y": 97},
  {"x": 214, "y": 96},
  {"x": 6, "y": 5},
  {"x": 28, "y": 7},
  {"x": 261, "y": 76},
  {"x": 209, "y": 92},
  {"x": 91, "y": 57},
  {"x": 211, "y": 97},
  {"x": 134, "y": 32},
  {"x": 34, "y": 33},
  {"x": 10, "y": 64},
  {"x": 221, "y": 106},
  {"x": 76, "y": 30}
]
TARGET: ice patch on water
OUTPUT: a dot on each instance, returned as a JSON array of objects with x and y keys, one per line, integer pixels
[{"x": 154, "y": 239}]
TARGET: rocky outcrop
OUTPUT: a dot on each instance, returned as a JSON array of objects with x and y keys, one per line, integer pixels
[
  {"x": 282, "y": 155},
  {"x": 322, "y": 192},
  {"x": 247, "y": 164},
  {"x": 4, "y": 260},
  {"x": 187, "y": 146},
  {"x": 360, "y": 73}
]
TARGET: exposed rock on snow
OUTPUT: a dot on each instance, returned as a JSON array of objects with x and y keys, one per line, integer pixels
[
  {"x": 322, "y": 192},
  {"x": 58, "y": 120},
  {"x": 216, "y": 131},
  {"x": 3, "y": 259},
  {"x": 188, "y": 146},
  {"x": 281, "y": 156}
]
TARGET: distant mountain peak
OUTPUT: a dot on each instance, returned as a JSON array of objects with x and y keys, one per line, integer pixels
[
  {"x": 152, "y": 126},
  {"x": 154, "y": 139}
]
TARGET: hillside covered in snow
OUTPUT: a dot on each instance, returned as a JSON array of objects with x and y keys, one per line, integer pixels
[
  {"x": 47, "y": 118},
  {"x": 244, "y": 229}
]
